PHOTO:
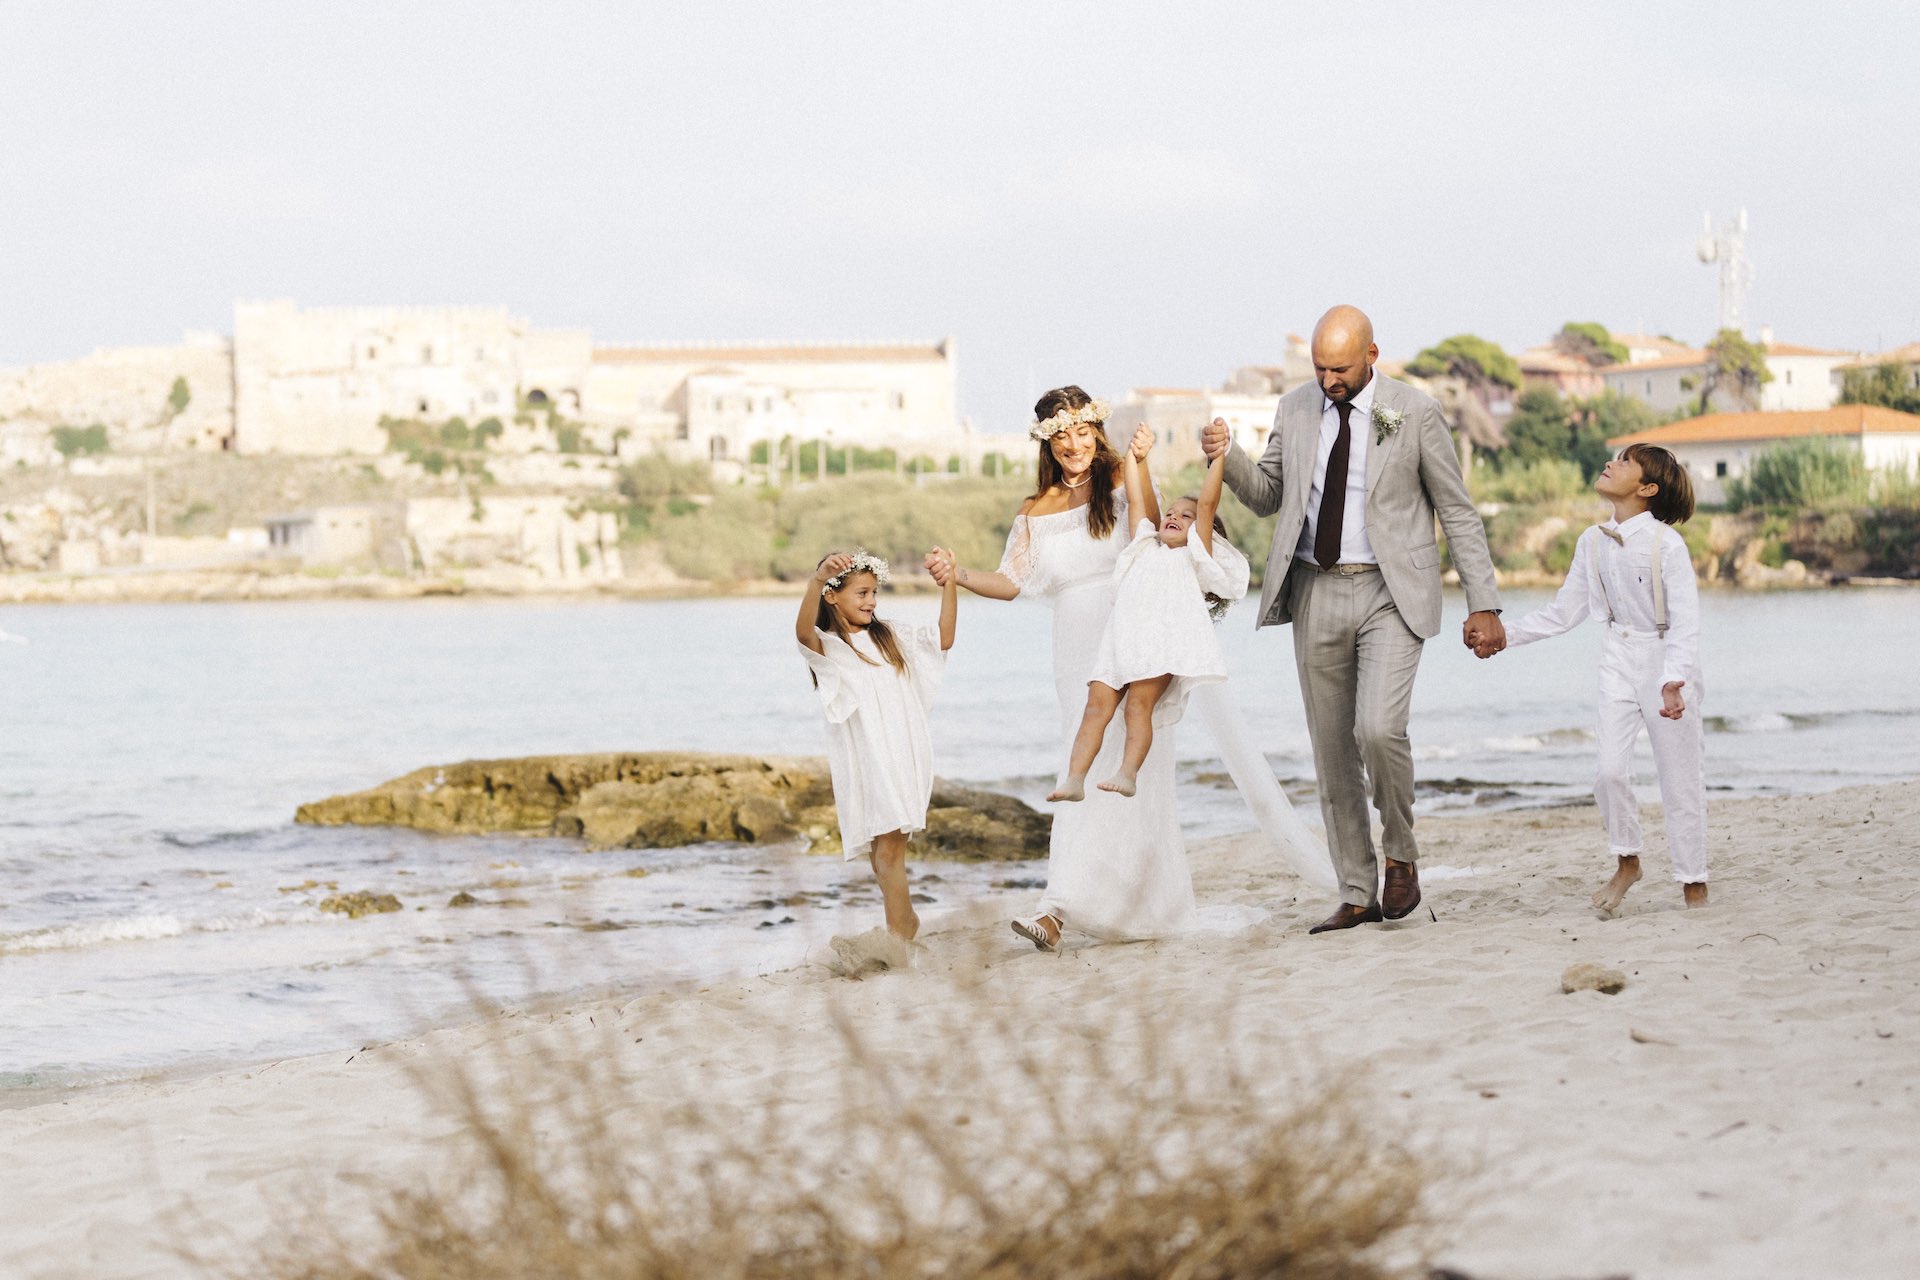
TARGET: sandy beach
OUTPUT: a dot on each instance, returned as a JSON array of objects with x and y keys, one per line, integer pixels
[{"x": 1746, "y": 1106}]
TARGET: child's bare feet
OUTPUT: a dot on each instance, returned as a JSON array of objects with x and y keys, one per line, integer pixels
[
  {"x": 1121, "y": 784},
  {"x": 1074, "y": 788},
  {"x": 1607, "y": 898},
  {"x": 1695, "y": 894}
]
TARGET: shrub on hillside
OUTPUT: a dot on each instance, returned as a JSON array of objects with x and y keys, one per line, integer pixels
[
  {"x": 73, "y": 442},
  {"x": 1536, "y": 481}
]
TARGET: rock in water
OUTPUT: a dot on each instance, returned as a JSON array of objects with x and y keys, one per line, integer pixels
[
  {"x": 665, "y": 798},
  {"x": 1587, "y": 976},
  {"x": 360, "y": 903}
]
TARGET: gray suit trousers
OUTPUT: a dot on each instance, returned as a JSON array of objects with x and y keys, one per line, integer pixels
[{"x": 1356, "y": 659}]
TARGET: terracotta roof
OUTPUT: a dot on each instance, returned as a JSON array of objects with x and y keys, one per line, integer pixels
[
  {"x": 1686, "y": 358},
  {"x": 1909, "y": 354},
  {"x": 1547, "y": 360},
  {"x": 1841, "y": 420},
  {"x": 1653, "y": 340},
  {"x": 1790, "y": 349},
  {"x": 772, "y": 352}
]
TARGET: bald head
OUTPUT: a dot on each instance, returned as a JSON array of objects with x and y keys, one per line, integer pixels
[{"x": 1343, "y": 352}]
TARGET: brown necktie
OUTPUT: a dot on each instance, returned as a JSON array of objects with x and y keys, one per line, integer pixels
[{"x": 1333, "y": 494}]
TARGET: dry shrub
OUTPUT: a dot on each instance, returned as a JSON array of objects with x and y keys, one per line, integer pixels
[{"x": 983, "y": 1152}]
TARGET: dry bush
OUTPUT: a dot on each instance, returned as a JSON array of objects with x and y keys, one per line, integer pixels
[{"x": 981, "y": 1152}]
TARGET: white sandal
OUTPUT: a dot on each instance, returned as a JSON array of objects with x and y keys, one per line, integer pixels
[{"x": 1035, "y": 932}]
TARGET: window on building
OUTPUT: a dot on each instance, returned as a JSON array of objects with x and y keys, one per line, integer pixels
[
  {"x": 423, "y": 406},
  {"x": 717, "y": 448},
  {"x": 1649, "y": 386},
  {"x": 680, "y": 430},
  {"x": 373, "y": 353},
  {"x": 1720, "y": 467},
  {"x": 1789, "y": 373},
  {"x": 899, "y": 399},
  {"x": 426, "y": 355}
]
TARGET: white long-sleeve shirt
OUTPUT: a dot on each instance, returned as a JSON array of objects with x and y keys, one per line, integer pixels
[{"x": 1619, "y": 575}]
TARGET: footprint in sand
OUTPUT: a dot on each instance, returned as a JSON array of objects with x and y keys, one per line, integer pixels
[{"x": 863, "y": 954}]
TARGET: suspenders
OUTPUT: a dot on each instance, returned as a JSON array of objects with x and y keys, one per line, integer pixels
[{"x": 1659, "y": 587}]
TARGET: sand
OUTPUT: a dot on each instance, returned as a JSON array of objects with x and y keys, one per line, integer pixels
[{"x": 1746, "y": 1106}]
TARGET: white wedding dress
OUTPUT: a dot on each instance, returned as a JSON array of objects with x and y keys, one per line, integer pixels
[{"x": 1117, "y": 866}]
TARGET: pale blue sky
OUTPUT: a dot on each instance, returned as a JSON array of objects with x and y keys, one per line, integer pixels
[{"x": 1086, "y": 192}]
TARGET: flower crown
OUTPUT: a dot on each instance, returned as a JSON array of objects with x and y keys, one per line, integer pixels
[
  {"x": 862, "y": 563},
  {"x": 1094, "y": 411}
]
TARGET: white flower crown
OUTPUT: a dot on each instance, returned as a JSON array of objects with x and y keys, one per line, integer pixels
[
  {"x": 862, "y": 563},
  {"x": 1094, "y": 411}
]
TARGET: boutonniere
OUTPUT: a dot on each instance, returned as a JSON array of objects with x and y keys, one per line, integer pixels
[{"x": 1385, "y": 422}]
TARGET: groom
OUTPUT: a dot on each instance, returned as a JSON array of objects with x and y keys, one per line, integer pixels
[{"x": 1357, "y": 466}]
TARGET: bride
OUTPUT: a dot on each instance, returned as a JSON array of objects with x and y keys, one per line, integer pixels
[{"x": 1117, "y": 867}]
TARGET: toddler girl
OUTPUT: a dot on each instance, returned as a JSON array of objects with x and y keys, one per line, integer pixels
[
  {"x": 876, "y": 685},
  {"x": 1634, "y": 573},
  {"x": 1159, "y": 643}
]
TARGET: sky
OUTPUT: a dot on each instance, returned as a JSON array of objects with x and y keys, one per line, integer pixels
[{"x": 1117, "y": 194}]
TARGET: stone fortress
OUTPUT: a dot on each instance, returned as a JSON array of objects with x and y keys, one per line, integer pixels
[{"x": 319, "y": 381}]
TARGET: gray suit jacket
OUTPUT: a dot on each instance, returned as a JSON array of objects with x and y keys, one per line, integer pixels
[{"x": 1411, "y": 475}]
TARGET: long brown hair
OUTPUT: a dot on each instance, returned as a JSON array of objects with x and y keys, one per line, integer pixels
[
  {"x": 827, "y": 618},
  {"x": 1106, "y": 463},
  {"x": 1674, "y": 503}
]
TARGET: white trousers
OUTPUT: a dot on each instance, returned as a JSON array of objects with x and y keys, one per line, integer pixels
[{"x": 1630, "y": 669}]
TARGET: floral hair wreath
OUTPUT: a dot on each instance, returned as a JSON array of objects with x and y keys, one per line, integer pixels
[
  {"x": 1094, "y": 411},
  {"x": 862, "y": 563}
]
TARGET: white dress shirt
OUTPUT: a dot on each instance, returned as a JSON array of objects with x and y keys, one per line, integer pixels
[
  {"x": 1354, "y": 547},
  {"x": 1617, "y": 577}
]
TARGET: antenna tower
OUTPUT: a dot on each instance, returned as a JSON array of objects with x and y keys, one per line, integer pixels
[{"x": 1728, "y": 247}]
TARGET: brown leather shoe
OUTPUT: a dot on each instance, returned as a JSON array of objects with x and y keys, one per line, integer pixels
[
  {"x": 1346, "y": 915},
  {"x": 1401, "y": 893}
]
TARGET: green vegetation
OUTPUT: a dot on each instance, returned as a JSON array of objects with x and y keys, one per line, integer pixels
[
  {"x": 1737, "y": 365},
  {"x": 1584, "y": 340},
  {"x": 73, "y": 442},
  {"x": 1891, "y": 386},
  {"x": 1807, "y": 474},
  {"x": 178, "y": 398},
  {"x": 1534, "y": 481},
  {"x": 1471, "y": 358}
]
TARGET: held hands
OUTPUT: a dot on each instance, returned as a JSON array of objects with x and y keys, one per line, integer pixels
[
  {"x": 1215, "y": 438},
  {"x": 1483, "y": 633},
  {"x": 941, "y": 566},
  {"x": 1142, "y": 443},
  {"x": 832, "y": 567},
  {"x": 1672, "y": 705}
]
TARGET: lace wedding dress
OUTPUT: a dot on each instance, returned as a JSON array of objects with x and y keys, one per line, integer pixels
[{"x": 1117, "y": 866}]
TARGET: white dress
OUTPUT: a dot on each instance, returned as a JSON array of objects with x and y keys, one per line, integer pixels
[
  {"x": 1161, "y": 624},
  {"x": 877, "y": 745},
  {"x": 1116, "y": 866}
]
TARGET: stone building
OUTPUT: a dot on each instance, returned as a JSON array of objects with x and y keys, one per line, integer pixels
[{"x": 128, "y": 390}]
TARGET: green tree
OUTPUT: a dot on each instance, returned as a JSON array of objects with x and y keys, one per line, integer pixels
[
  {"x": 1888, "y": 385},
  {"x": 1737, "y": 365},
  {"x": 1542, "y": 426},
  {"x": 178, "y": 398},
  {"x": 1601, "y": 418},
  {"x": 1480, "y": 363},
  {"x": 1584, "y": 340},
  {"x": 78, "y": 441}
]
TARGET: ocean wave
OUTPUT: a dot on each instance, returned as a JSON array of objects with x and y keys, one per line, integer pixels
[
  {"x": 215, "y": 838},
  {"x": 140, "y": 928},
  {"x": 1510, "y": 744}
]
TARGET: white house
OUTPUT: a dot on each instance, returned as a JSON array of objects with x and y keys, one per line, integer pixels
[
  {"x": 1803, "y": 378},
  {"x": 1719, "y": 447}
]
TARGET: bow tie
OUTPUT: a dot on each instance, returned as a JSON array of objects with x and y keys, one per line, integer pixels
[{"x": 1612, "y": 532}]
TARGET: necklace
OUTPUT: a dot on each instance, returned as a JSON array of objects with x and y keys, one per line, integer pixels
[{"x": 1066, "y": 483}]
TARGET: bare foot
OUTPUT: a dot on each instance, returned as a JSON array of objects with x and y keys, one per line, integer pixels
[
  {"x": 1607, "y": 898},
  {"x": 1121, "y": 784},
  {"x": 1074, "y": 788},
  {"x": 1695, "y": 894}
]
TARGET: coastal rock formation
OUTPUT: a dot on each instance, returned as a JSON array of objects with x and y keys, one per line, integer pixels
[
  {"x": 361, "y": 902},
  {"x": 660, "y": 799}
]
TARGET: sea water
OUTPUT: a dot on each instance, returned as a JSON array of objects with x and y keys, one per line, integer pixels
[{"x": 159, "y": 908}]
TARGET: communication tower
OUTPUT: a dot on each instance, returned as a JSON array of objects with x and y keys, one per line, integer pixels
[{"x": 1728, "y": 247}]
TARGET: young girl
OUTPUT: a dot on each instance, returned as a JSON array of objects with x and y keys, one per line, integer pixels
[
  {"x": 1159, "y": 642},
  {"x": 1634, "y": 572},
  {"x": 876, "y": 685}
]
